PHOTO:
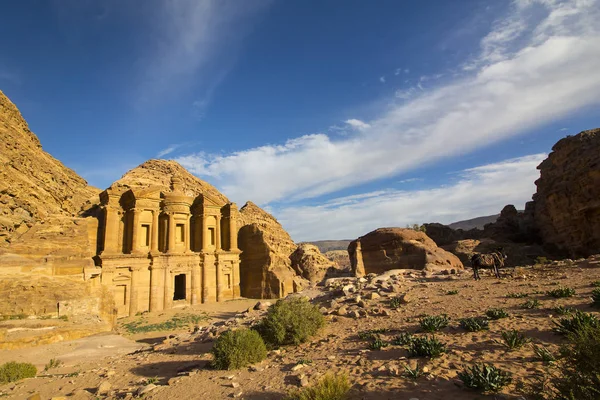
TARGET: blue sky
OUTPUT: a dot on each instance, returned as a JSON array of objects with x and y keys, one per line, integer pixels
[{"x": 338, "y": 117}]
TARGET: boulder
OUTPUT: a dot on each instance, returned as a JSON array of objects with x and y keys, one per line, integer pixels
[
  {"x": 308, "y": 262},
  {"x": 397, "y": 248}
]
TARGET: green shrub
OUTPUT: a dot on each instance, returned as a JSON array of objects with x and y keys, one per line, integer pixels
[
  {"x": 561, "y": 292},
  {"x": 426, "y": 347},
  {"x": 433, "y": 323},
  {"x": 531, "y": 304},
  {"x": 13, "y": 371},
  {"x": 541, "y": 260},
  {"x": 544, "y": 354},
  {"x": 578, "y": 321},
  {"x": 291, "y": 321},
  {"x": 484, "y": 377},
  {"x": 53, "y": 363},
  {"x": 330, "y": 387},
  {"x": 377, "y": 344},
  {"x": 580, "y": 366},
  {"x": 514, "y": 339},
  {"x": 475, "y": 324},
  {"x": 519, "y": 295},
  {"x": 496, "y": 313},
  {"x": 596, "y": 283},
  {"x": 403, "y": 339},
  {"x": 451, "y": 292},
  {"x": 560, "y": 310},
  {"x": 395, "y": 302},
  {"x": 413, "y": 373},
  {"x": 237, "y": 349},
  {"x": 596, "y": 297}
]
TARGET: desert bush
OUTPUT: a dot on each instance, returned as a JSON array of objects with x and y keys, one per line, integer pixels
[
  {"x": 596, "y": 297},
  {"x": 14, "y": 371},
  {"x": 541, "y": 260},
  {"x": 433, "y": 323},
  {"x": 531, "y": 304},
  {"x": 475, "y": 324},
  {"x": 413, "y": 373},
  {"x": 596, "y": 283},
  {"x": 377, "y": 344},
  {"x": 237, "y": 349},
  {"x": 544, "y": 354},
  {"x": 518, "y": 295},
  {"x": 426, "y": 347},
  {"x": 291, "y": 321},
  {"x": 451, "y": 292},
  {"x": 578, "y": 321},
  {"x": 403, "y": 339},
  {"x": 53, "y": 363},
  {"x": 580, "y": 365},
  {"x": 330, "y": 387},
  {"x": 561, "y": 292},
  {"x": 560, "y": 310},
  {"x": 514, "y": 339},
  {"x": 496, "y": 313},
  {"x": 395, "y": 302},
  {"x": 484, "y": 377},
  {"x": 371, "y": 333}
]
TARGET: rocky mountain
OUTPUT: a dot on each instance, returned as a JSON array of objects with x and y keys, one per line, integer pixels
[
  {"x": 474, "y": 223},
  {"x": 331, "y": 245},
  {"x": 567, "y": 202},
  {"x": 33, "y": 184}
]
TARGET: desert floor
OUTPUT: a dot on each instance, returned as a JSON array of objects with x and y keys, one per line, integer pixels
[{"x": 177, "y": 361}]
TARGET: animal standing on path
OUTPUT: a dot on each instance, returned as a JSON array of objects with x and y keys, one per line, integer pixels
[{"x": 493, "y": 260}]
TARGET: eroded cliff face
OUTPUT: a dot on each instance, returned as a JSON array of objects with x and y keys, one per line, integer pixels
[
  {"x": 33, "y": 184},
  {"x": 266, "y": 249},
  {"x": 567, "y": 202},
  {"x": 309, "y": 263},
  {"x": 396, "y": 248}
]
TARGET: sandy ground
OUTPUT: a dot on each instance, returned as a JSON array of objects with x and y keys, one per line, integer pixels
[{"x": 181, "y": 370}]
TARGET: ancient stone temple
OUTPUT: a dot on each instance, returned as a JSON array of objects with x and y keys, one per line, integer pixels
[{"x": 158, "y": 249}]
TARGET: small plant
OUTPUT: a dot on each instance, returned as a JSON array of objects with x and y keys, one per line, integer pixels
[
  {"x": 560, "y": 310},
  {"x": 475, "y": 324},
  {"x": 413, "y": 373},
  {"x": 518, "y": 295},
  {"x": 541, "y": 260},
  {"x": 291, "y": 321},
  {"x": 544, "y": 354},
  {"x": 596, "y": 298},
  {"x": 596, "y": 284},
  {"x": 305, "y": 361},
  {"x": 330, "y": 387},
  {"x": 561, "y": 292},
  {"x": 426, "y": 347},
  {"x": 451, "y": 292},
  {"x": 395, "y": 302},
  {"x": 176, "y": 322},
  {"x": 403, "y": 339},
  {"x": 514, "y": 339},
  {"x": 14, "y": 371},
  {"x": 237, "y": 349},
  {"x": 531, "y": 304},
  {"x": 578, "y": 321},
  {"x": 53, "y": 363},
  {"x": 12, "y": 316},
  {"x": 153, "y": 379},
  {"x": 484, "y": 377},
  {"x": 496, "y": 313},
  {"x": 377, "y": 344},
  {"x": 371, "y": 334},
  {"x": 433, "y": 323}
]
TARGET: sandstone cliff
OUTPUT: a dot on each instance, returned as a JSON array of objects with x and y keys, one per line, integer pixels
[
  {"x": 396, "y": 248},
  {"x": 265, "y": 259},
  {"x": 567, "y": 202},
  {"x": 33, "y": 184}
]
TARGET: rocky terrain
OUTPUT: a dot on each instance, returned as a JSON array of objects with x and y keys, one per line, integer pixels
[{"x": 309, "y": 263}]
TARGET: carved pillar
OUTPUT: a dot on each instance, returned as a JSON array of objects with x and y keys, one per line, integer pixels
[
  {"x": 235, "y": 279},
  {"x": 205, "y": 288},
  {"x": 111, "y": 230},
  {"x": 219, "y": 279},
  {"x": 134, "y": 230},
  {"x": 154, "y": 238},
  {"x": 198, "y": 243},
  {"x": 171, "y": 233},
  {"x": 218, "y": 233},
  {"x": 196, "y": 284},
  {"x": 186, "y": 238},
  {"x": 233, "y": 244},
  {"x": 168, "y": 290},
  {"x": 205, "y": 236},
  {"x": 133, "y": 298},
  {"x": 156, "y": 286}
]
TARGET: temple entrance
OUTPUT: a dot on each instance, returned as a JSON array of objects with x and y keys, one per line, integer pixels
[{"x": 179, "y": 292}]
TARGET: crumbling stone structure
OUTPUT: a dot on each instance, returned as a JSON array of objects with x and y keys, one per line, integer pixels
[{"x": 157, "y": 249}]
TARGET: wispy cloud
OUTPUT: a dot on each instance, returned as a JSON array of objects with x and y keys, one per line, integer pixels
[
  {"x": 493, "y": 186},
  {"x": 357, "y": 124},
  {"x": 382, "y": 79},
  {"x": 168, "y": 150},
  {"x": 523, "y": 77}
]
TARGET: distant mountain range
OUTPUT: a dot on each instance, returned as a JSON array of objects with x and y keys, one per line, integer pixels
[
  {"x": 329, "y": 245},
  {"x": 478, "y": 222}
]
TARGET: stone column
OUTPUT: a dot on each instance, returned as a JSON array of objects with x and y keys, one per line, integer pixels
[
  {"x": 111, "y": 230},
  {"x": 195, "y": 298},
  {"x": 198, "y": 244},
  {"x": 168, "y": 290},
  {"x": 218, "y": 233},
  {"x": 133, "y": 297},
  {"x": 205, "y": 288},
  {"x": 233, "y": 244},
  {"x": 154, "y": 238},
  {"x": 205, "y": 237},
  {"x": 171, "y": 233},
  {"x": 156, "y": 286},
  {"x": 186, "y": 238},
  {"x": 235, "y": 279},
  {"x": 219, "y": 280},
  {"x": 134, "y": 230}
]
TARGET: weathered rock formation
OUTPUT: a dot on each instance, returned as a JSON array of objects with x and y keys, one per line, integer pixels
[
  {"x": 396, "y": 248},
  {"x": 265, "y": 259},
  {"x": 567, "y": 202},
  {"x": 33, "y": 184},
  {"x": 309, "y": 263},
  {"x": 340, "y": 257}
]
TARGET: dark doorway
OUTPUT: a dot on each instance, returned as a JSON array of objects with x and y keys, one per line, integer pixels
[{"x": 179, "y": 293}]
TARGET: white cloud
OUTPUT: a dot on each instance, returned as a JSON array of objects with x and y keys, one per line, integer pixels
[
  {"x": 382, "y": 79},
  {"x": 357, "y": 124},
  {"x": 522, "y": 78},
  {"x": 479, "y": 191},
  {"x": 167, "y": 150},
  {"x": 398, "y": 70}
]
